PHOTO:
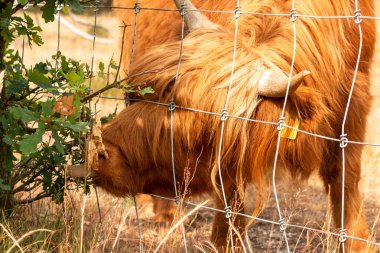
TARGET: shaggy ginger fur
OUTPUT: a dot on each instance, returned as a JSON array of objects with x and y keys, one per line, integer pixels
[{"x": 138, "y": 139}]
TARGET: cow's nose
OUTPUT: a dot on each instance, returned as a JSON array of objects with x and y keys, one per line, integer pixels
[{"x": 77, "y": 171}]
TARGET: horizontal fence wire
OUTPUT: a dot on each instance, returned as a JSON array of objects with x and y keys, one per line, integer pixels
[
  {"x": 337, "y": 235},
  {"x": 232, "y": 12},
  {"x": 242, "y": 118},
  {"x": 293, "y": 15}
]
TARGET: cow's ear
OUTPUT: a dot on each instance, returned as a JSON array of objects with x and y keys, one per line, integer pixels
[{"x": 194, "y": 19}]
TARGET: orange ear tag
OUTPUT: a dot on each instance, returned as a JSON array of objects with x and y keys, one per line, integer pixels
[{"x": 291, "y": 133}]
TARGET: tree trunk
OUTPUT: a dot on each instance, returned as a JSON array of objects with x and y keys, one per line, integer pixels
[{"x": 6, "y": 196}]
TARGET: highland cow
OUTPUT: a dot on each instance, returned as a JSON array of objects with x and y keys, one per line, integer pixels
[{"x": 138, "y": 141}]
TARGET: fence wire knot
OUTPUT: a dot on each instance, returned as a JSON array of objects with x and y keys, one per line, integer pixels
[
  {"x": 343, "y": 141},
  {"x": 183, "y": 9},
  {"x": 224, "y": 115},
  {"x": 171, "y": 105},
  {"x": 293, "y": 15},
  {"x": 281, "y": 124},
  {"x": 228, "y": 212},
  {"x": 343, "y": 235},
  {"x": 282, "y": 224},
  {"x": 237, "y": 12},
  {"x": 137, "y": 7},
  {"x": 176, "y": 200},
  {"x": 97, "y": 2},
  {"x": 59, "y": 7},
  {"x": 358, "y": 16}
]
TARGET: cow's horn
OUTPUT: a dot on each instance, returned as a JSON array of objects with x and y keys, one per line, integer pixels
[
  {"x": 273, "y": 83},
  {"x": 77, "y": 171},
  {"x": 193, "y": 18}
]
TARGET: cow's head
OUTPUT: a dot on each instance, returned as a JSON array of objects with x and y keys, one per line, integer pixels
[{"x": 106, "y": 162}]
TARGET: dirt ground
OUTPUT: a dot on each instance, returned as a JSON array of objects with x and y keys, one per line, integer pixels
[{"x": 306, "y": 206}]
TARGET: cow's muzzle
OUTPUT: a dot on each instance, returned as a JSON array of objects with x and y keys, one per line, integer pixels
[{"x": 77, "y": 171}]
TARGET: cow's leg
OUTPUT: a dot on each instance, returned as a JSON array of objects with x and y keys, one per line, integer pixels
[
  {"x": 221, "y": 225},
  {"x": 165, "y": 211},
  {"x": 354, "y": 218}
]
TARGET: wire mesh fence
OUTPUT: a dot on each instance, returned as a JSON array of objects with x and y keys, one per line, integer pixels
[{"x": 343, "y": 140}]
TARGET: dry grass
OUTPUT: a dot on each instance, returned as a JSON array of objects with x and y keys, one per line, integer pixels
[{"x": 47, "y": 227}]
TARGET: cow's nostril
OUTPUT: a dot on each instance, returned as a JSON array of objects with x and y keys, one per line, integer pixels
[{"x": 102, "y": 156}]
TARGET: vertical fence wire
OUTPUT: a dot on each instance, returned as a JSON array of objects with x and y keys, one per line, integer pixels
[
  {"x": 90, "y": 90},
  {"x": 24, "y": 9},
  {"x": 280, "y": 127},
  {"x": 224, "y": 117},
  {"x": 172, "y": 107},
  {"x": 58, "y": 17},
  {"x": 141, "y": 246},
  {"x": 136, "y": 12},
  {"x": 137, "y": 9},
  {"x": 343, "y": 137},
  {"x": 93, "y": 48}
]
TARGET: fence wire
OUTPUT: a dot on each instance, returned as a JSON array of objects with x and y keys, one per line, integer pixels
[
  {"x": 171, "y": 111},
  {"x": 344, "y": 140}
]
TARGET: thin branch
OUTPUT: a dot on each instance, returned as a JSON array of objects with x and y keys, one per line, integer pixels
[
  {"x": 27, "y": 94},
  {"x": 30, "y": 200},
  {"x": 116, "y": 84},
  {"x": 15, "y": 242},
  {"x": 29, "y": 181},
  {"x": 20, "y": 171},
  {"x": 108, "y": 70},
  {"x": 25, "y": 187},
  {"x": 28, "y": 130},
  {"x": 121, "y": 52},
  {"x": 17, "y": 8}
]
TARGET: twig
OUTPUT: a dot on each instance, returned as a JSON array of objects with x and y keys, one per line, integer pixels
[
  {"x": 239, "y": 236},
  {"x": 26, "y": 235},
  {"x": 119, "y": 229},
  {"x": 115, "y": 84},
  {"x": 28, "y": 201},
  {"x": 121, "y": 52},
  {"x": 29, "y": 181},
  {"x": 82, "y": 223},
  {"x": 11, "y": 236}
]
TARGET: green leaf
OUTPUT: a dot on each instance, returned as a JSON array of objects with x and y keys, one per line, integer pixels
[
  {"x": 147, "y": 90},
  {"x": 28, "y": 144},
  {"x": 8, "y": 140},
  {"x": 76, "y": 127},
  {"x": 47, "y": 107},
  {"x": 39, "y": 79},
  {"x": 75, "y": 78},
  {"x": 22, "y": 113},
  {"x": 58, "y": 142},
  {"x": 101, "y": 66},
  {"x": 75, "y": 4},
  {"x": 3, "y": 186},
  {"x": 23, "y": 2},
  {"x": 72, "y": 77},
  {"x": 48, "y": 10},
  {"x": 17, "y": 86},
  {"x": 101, "y": 70},
  {"x": 64, "y": 64},
  {"x": 41, "y": 67}
]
